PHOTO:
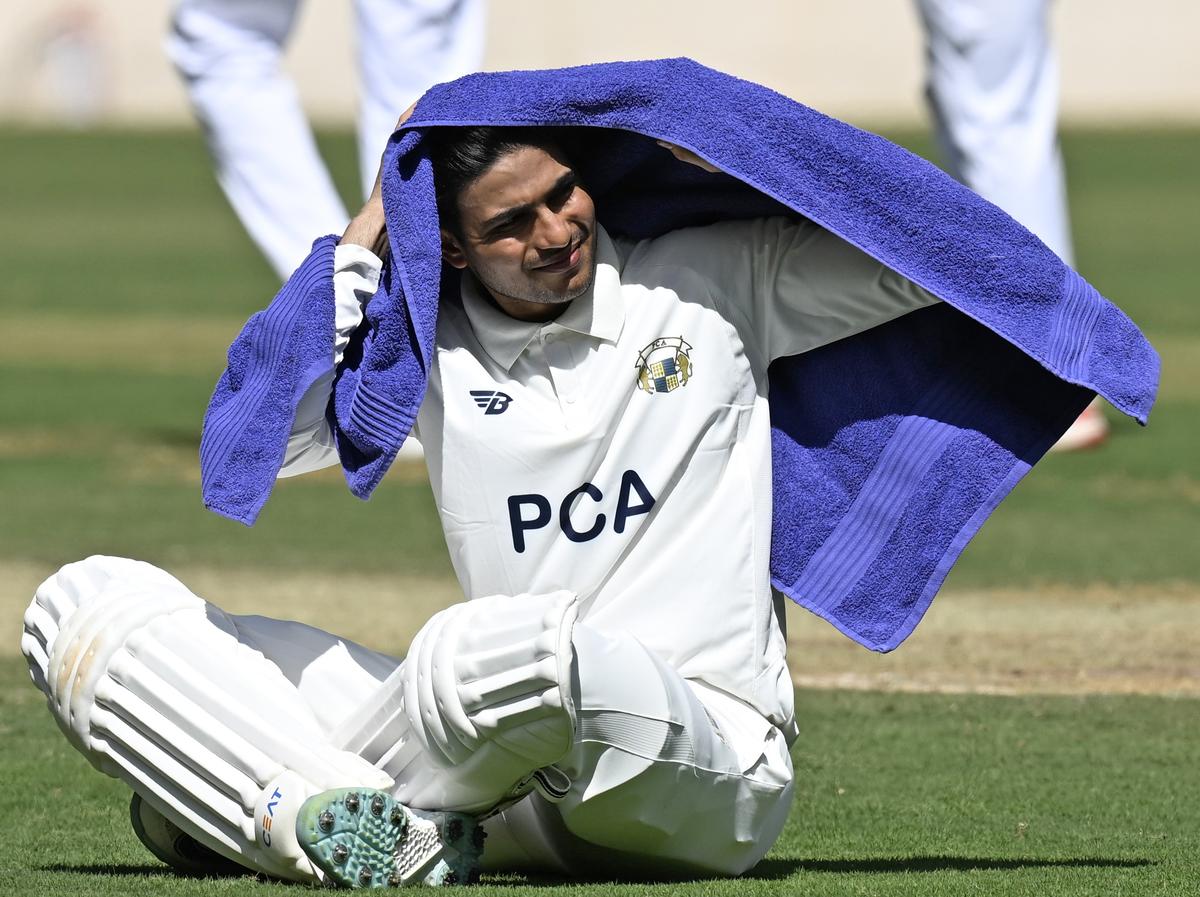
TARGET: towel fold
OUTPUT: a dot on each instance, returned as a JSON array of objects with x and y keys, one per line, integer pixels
[{"x": 890, "y": 448}]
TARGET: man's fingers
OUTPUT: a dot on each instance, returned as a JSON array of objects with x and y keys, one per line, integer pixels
[
  {"x": 688, "y": 156},
  {"x": 405, "y": 116}
]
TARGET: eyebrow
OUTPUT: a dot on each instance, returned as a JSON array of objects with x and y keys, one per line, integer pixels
[{"x": 511, "y": 214}]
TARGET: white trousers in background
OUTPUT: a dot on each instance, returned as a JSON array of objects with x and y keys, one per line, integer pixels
[
  {"x": 992, "y": 85},
  {"x": 222, "y": 721},
  {"x": 228, "y": 53}
]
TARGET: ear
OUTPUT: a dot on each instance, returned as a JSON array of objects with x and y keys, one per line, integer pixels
[{"x": 452, "y": 251}]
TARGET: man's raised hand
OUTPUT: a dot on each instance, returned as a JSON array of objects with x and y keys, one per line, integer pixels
[{"x": 368, "y": 228}]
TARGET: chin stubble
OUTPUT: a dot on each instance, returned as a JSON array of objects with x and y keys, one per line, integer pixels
[{"x": 542, "y": 297}]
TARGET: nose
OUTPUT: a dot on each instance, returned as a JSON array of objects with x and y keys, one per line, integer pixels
[{"x": 553, "y": 231}]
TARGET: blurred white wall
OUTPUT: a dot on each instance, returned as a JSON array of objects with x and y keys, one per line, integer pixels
[{"x": 86, "y": 61}]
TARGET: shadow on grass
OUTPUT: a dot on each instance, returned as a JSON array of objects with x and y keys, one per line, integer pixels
[
  {"x": 767, "y": 870},
  {"x": 158, "y": 870},
  {"x": 781, "y": 868}
]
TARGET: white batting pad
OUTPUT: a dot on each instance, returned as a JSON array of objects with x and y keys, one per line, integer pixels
[
  {"x": 482, "y": 700},
  {"x": 152, "y": 684},
  {"x": 59, "y": 596},
  {"x": 677, "y": 777}
]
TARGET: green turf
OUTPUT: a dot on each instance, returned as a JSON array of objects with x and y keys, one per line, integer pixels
[{"x": 896, "y": 795}]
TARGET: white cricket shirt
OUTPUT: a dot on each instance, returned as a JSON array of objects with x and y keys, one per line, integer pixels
[{"x": 622, "y": 451}]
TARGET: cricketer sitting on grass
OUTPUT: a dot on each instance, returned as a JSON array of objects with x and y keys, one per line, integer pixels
[{"x": 618, "y": 481}]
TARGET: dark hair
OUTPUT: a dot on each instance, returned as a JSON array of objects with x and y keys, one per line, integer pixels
[{"x": 460, "y": 156}]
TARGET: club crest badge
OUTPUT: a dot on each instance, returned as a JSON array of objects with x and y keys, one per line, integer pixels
[{"x": 664, "y": 365}]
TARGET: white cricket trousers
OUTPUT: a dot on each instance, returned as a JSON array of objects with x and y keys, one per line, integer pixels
[
  {"x": 992, "y": 85},
  {"x": 211, "y": 717},
  {"x": 229, "y": 54}
]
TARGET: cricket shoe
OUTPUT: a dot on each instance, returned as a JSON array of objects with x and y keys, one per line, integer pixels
[
  {"x": 174, "y": 846},
  {"x": 362, "y": 838}
]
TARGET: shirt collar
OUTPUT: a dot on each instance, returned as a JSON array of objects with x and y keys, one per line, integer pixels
[{"x": 598, "y": 313}]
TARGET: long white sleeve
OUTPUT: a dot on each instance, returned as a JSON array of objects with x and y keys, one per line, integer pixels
[
  {"x": 813, "y": 288},
  {"x": 789, "y": 286},
  {"x": 310, "y": 445}
]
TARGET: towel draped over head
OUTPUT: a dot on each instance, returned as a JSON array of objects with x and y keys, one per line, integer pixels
[{"x": 890, "y": 448}]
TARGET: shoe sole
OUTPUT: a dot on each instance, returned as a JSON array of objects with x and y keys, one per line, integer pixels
[
  {"x": 363, "y": 838},
  {"x": 175, "y": 847}
]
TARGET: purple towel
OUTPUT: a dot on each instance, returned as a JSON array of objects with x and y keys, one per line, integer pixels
[{"x": 890, "y": 447}]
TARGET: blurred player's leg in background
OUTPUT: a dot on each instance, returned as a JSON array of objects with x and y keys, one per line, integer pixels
[
  {"x": 993, "y": 91},
  {"x": 404, "y": 48},
  {"x": 228, "y": 53}
]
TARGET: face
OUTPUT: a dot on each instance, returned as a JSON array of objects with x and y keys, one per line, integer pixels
[{"x": 528, "y": 233}]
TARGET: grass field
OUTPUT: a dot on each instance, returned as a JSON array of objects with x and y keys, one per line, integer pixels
[{"x": 1036, "y": 736}]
